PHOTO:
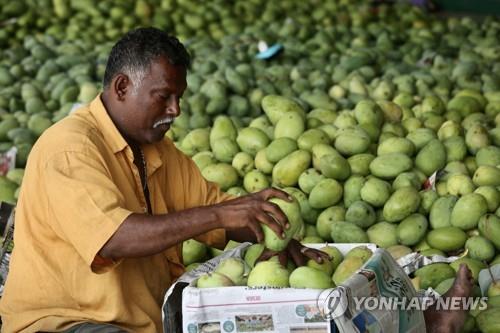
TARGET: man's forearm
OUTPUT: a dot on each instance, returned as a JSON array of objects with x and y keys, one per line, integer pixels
[
  {"x": 241, "y": 235},
  {"x": 143, "y": 235}
]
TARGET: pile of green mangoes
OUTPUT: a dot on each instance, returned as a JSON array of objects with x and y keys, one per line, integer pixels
[{"x": 250, "y": 272}]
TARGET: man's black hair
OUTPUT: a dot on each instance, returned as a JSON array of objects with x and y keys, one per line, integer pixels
[{"x": 138, "y": 48}]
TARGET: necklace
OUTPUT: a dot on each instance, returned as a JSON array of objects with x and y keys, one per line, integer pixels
[{"x": 144, "y": 169}]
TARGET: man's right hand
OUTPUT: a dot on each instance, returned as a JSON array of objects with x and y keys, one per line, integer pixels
[{"x": 252, "y": 210}]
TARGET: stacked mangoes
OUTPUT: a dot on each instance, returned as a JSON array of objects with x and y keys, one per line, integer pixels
[{"x": 251, "y": 272}]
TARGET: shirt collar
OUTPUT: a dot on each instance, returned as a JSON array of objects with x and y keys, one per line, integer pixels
[
  {"x": 110, "y": 133},
  {"x": 113, "y": 137}
]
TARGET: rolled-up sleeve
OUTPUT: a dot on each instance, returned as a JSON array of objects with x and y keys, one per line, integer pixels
[{"x": 85, "y": 204}]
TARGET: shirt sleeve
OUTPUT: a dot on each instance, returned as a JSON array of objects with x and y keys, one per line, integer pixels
[{"x": 86, "y": 205}]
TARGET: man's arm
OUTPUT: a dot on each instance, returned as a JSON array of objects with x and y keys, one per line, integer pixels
[{"x": 142, "y": 235}]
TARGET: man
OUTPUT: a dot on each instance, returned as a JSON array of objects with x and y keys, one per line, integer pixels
[{"x": 106, "y": 203}]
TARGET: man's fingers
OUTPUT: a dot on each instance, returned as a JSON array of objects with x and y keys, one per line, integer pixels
[
  {"x": 257, "y": 230},
  {"x": 283, "y": 258},
  {"x": 272, "y": 224},
  {"x": 316, "y": 255},
  {"x": 272, "y": 192},
  {"x": 297, "y": 257},
  {"x": 276, "y": 212},
  {"x": 266, "y": 255}
]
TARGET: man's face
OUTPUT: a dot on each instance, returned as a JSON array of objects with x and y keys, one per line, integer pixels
[{"x": 153, "y": 104}]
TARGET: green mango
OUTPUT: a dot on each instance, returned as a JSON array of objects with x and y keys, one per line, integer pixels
[
  {"x": 440, "y": 215},
  {"x": 489, "y": 227},
  {"x": 361, "y": 251},
  {"x": 335, "y": 166},
  {"x": 459, "y": 184},
  {"x": 384, "y": 234},
  {"x": 308, "y": 179},
  {"x": 491, "y": 195},
  {"x": 276, "y": 106},
  {"x": 489, "y": 155},
  {"x": 213, "y": 280},
  {"x": 312, "y": 137},
  {"x": 252, "y": 253},
  {"x": 268, "y": 274},
  {"x": 444, "y": 286},
  {"x": 327, "y": 218},
  {"x": 486, "y": 175},
  {"x": 480, "y": 248},
  {"x": 412, "y": 229},
  {"x": 196, "y": 141},
  {"x": 431, "y": 158},
  {"x": 292, "y": 211},
  {"x": 309, "y": 214},
  {"x": 204, "y": 158},
  {"x": 324, "y": 115},
  {"x": 320, "y": 150},
  {"x": 223, "y": 127},
  {"x": 427, "y": 200},
  {"x": 455, "y": 147},
  {"x": 345, "y": 232},
  {"x": 251, "y": 140},
  {"x": 433, "y": 274},
  {"x": 389, "y": 166},
  {"x": 235, "y": 269},
  {"x": 488, "y": 321},
  {"x": 309, "y": 277},
  {"x": 477, "y": 137},
  {"x": 335, "y": 255},
  {"x": 242, "y": 162},
  {"x": 432, "y": 252},
  {"x": 361, "y": 214},
  {"x": 352, "y": 189},
  {"x": 224, "y": 149},
  {"x": 375, "y": 191},
  {"x": 255, "y": 181},
  {"x": 312, "y": 240},
  {"x": 291, "y": 125},
  {"x": 193, "y": 251},
  {"x": 346, "y": 269},
  {"x": 474, "y": 265},
  {"x": 468, "y": 210},
  {"x": 221, "y": 173},
  {"x": 407, "y": 179},
  {"x": 449, "y": 129},
  {"x": 398, "y": 251},
  {"x": 280, "y": 148},
  {"x": 326, "y": 193},
  {"x": 402, "y": 203},
  {"x": 287, "y": 171},
  {"x": 237, "y": 191},
  {"x": 368, "y": 112},
  {"x": 352, "y": 141},
  {"x": 262, "y": 163},
  {"x": 396, "y": 145},
  {"x": 421, "y": 137},
  {"x": 446, "y": 238},
  {"x": 392, "y": 112},
  {"x": 360, "y": 164}
]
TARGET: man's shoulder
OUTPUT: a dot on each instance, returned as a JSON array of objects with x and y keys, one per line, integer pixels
[{"x": 76, "y": 133}]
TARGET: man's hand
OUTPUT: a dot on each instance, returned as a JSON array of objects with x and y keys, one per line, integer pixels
[
  {"x": 297, "y": 252},
  {"x": 250, "y": 211}
]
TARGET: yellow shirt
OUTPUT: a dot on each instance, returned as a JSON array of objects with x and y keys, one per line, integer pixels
[{"x": 80, "y": 185}]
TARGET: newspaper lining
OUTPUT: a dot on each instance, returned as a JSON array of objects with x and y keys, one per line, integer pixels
[{"x": 247, "y": 309}]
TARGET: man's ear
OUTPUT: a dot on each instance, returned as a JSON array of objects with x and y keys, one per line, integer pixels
[{"x": 121, "y": 85}]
